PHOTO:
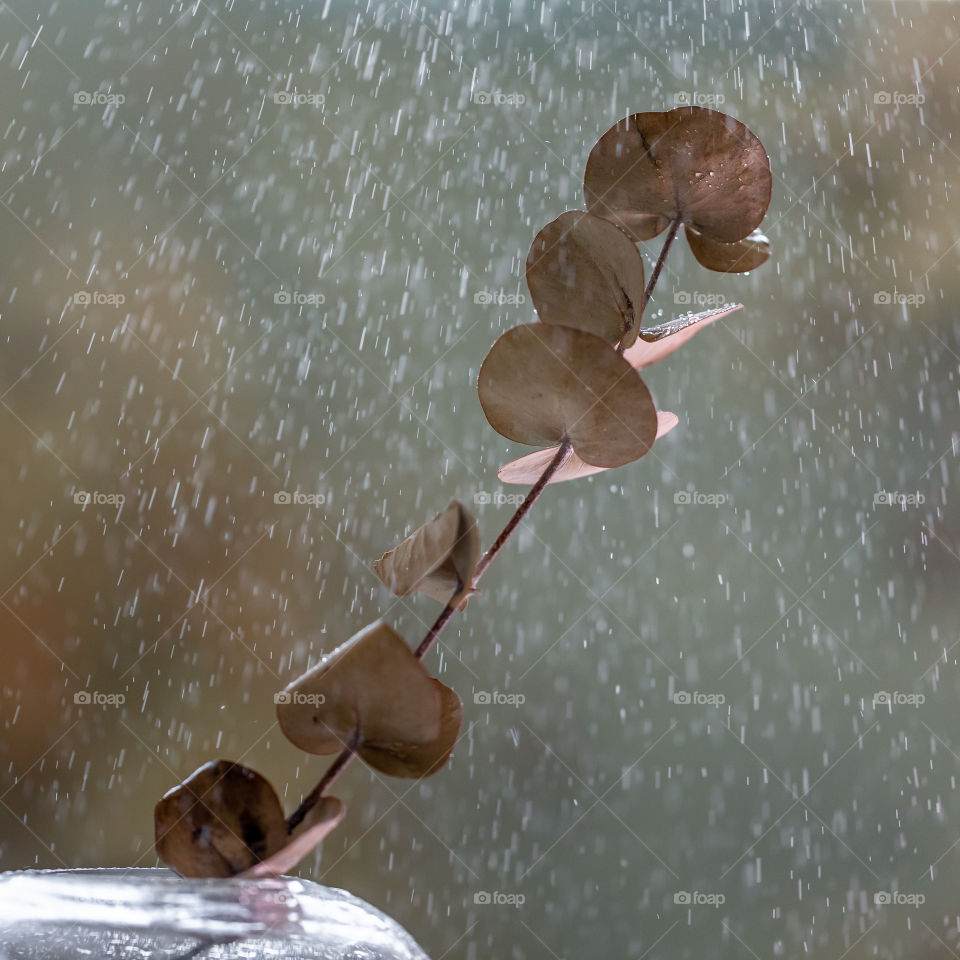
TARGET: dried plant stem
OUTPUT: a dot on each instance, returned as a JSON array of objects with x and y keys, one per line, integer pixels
[
  {"x": 661, "y": 260},
  {"x": 522, "y": 510},
  {"x": 445, "y": 614},
  {"x": 350, "y": 751},
  {"x": 323, "y": 784}
]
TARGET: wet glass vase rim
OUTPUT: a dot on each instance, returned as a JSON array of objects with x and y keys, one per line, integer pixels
[{"x": 160, "y": 901}]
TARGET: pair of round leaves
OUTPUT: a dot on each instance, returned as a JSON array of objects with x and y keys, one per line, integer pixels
[
  {"x": 226, "y": 820},
  {"x": 665, "y": 338},
  {"x": 542, "y": 384},
  {"x": 691, "y": 165},
  {"x": 374, "y": 695},
  {"x": 437, "y": 559}
]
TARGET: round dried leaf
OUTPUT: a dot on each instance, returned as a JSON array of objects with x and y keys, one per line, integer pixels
[
  {"x": 322, "y": 818},
  {"x": 584, "y": 272},
  {"x": 222, "y": 820},
  {"x": 528, "y": 469},
  {"x": 420, "y": 760},
  {"x": 370, "y": 689},
  {"x": 698, "y": 166},
  {"x": 739, "y": 257},
  {"x": 541, "y": 383},
  {"x": 437, "y": 559}
]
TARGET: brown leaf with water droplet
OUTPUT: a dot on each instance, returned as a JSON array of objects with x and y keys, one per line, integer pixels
[
  {"x": 741, "y": 256},
  {"x": 691, "y": 164}
]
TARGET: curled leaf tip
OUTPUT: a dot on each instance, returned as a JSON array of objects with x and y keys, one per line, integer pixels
[
  {"x": 671, "y": 328},
  {"x": 437, "y": 559}
]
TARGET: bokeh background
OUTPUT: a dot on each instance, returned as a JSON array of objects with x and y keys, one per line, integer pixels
[{"x": 146, "y": 164}]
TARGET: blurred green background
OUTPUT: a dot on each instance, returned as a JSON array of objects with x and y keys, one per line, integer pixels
[{"x": 145, "y": 157}]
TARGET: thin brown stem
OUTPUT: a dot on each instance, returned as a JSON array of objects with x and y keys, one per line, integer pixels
[
  {"x": 349, "y": 752},
  {"x": 528, "y": 501},
  {"x": 661, "y": 260},
  {"x": 445, "y": 614},
  {"x": 311, "y": 799}
]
